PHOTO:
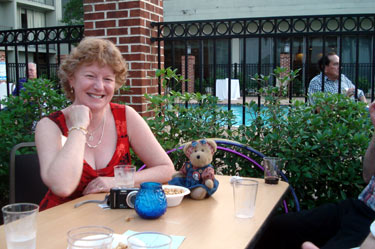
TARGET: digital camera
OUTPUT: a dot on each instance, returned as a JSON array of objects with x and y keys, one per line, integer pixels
[{"x": 122, "y": 197}]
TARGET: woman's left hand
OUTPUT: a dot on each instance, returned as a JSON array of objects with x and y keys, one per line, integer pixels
[
  {"x": 372, "y": 112},
  {"x": 99, "y": 185}
]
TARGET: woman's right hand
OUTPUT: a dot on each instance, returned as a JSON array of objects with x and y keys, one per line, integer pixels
[{"x": 78, "y": 116}]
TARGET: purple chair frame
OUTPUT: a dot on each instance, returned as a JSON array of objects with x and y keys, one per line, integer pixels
[{"x": 234, "y": 143}]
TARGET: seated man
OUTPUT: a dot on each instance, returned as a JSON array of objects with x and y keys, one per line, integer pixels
[
  {"x": 329, "y": 64},
  {"x": 369, "y": 243},
  {"x": 335, "y": 225},
  {"x": 31, "y": 74}
]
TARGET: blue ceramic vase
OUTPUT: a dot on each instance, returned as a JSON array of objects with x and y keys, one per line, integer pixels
[{"x": 150, "y": 201}]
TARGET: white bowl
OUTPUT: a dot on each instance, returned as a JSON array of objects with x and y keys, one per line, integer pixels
[{"x": 175, "y": 199}]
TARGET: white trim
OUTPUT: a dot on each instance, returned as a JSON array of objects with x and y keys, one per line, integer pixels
[{"x": 372, "y": 228}]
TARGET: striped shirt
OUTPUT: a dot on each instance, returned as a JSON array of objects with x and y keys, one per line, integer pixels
[
  {"x": 368, "y": 194},
  {"x": 330, "y": 86}
]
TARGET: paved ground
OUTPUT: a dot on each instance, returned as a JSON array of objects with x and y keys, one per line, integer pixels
[
  {"x": 283, "y": 102},
  {"x": 248, "y": 99}
]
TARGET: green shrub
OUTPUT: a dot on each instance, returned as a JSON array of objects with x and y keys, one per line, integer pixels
[
  {"x": 180, "y": 118},
  {"x": 323, "y": 150},
  {"x": 19, "y": 117}
]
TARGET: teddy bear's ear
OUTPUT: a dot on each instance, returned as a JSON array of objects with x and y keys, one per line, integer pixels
[
  {"x": 187, "y": 149},
  {"x": 212, "y": 144}
]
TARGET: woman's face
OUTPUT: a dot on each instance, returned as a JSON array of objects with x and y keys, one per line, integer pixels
[{"x": 94, "y": 85}]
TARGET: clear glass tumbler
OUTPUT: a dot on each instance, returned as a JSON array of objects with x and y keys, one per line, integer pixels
[
  {"x": 98, "y": 237},
  {"x": 20, "y": 225},
  {"x": 244, "y": 196},
  {"x": 124, "y": 175},
  {"x": 272, "y": 168}
]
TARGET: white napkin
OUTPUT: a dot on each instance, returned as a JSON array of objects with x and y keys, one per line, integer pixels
[{"x": 104, "y": 206}]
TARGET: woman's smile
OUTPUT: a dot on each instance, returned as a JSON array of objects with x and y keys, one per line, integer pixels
[{"x": 95, "y": 96}]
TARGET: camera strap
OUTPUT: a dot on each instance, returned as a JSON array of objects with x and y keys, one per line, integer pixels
[{"x": 92, "y": 201}]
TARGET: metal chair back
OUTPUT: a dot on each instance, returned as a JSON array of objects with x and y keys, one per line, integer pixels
[
  {"x": 220, "y": 141},
  {"x": 25, "y": 182}
]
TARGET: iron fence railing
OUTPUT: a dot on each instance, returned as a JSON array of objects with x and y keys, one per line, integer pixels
[
  {"x": 265, "y": 26},
  {"x": 42, "y": 70},
  {"x": 290, "y": 41},
  {"x": 251, "y": 86},
  {"x": 47, "y": 45}
]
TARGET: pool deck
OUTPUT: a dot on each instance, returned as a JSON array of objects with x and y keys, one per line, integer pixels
[
  {"x": 248, "y": 99},
  {"x": 239, "y": 101}
]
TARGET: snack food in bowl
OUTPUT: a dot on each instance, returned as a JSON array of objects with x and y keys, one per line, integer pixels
[{"x": 175, "y": 194}]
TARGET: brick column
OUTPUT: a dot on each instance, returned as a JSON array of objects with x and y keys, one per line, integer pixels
[
  {"x": 127, "y": 23},
  {"x": 285, "y": 63},
  {"x": 191, "y": 73}
]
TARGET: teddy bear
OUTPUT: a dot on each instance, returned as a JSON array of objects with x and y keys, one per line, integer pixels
[{"x": 197, "y": 174}]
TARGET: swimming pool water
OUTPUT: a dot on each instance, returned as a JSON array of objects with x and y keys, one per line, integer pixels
[
  {"x": 249, "y": 117},
  {"x": 237, "y": 111}
]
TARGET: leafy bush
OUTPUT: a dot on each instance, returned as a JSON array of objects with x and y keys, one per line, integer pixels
[
  {"x": 184, "y": 117},
  {"x": 19, "y": 117},
  {"x": 322, "y": 144}
]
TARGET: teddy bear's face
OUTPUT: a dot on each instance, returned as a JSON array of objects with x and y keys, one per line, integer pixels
[{"x": 200, "y": 155}]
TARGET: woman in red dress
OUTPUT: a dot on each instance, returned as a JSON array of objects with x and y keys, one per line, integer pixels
[{"x": 79, "y": 145}]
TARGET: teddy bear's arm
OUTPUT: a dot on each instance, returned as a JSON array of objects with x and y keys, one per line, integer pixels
[
  {"x": 181, "y": 172},
  {"x": 208, "y": 173},
  {"x": 208, "y": 177},
  {"x": 183, "y": 169}
]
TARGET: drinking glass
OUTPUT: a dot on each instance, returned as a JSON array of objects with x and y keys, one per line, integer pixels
[
  {"x": 124, "y": 175},
  {"x": 20, "y": 225},
  {"x": 98, "y": 237},
  {"x": 149, "y": 240},
  {"x": 244, "y": 196},
  {"x": 272, "y": 167}
]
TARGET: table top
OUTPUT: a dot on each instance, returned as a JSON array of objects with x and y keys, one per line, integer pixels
[{"x": 208, "y": 223}]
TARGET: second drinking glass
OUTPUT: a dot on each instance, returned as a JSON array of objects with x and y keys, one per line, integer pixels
[{"x": 124, "y": 175}]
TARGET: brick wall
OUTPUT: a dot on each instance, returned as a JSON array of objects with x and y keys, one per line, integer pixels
[
  {"x": 127, "y": 23},
  {"x": 285, "y": 63},
  {"x": 191, "y": 73}
]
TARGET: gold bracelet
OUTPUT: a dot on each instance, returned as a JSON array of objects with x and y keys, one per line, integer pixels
[{"x": 82, "y": 129}]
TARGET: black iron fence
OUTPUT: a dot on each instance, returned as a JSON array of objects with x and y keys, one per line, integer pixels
[
  {"x": 44, "y": 46},
  {"x": 251, "y": 86},
  {"x": 43, "y": 70},
  {"x": 261, "y": 42}
]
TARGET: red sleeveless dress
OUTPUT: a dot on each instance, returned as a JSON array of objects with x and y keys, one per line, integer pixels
[{"x": 121, "y": 156}]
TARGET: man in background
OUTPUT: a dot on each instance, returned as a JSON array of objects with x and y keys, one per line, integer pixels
[
  {"x": 31, "y": 74},
  {"x": 329, "y": 64}
]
